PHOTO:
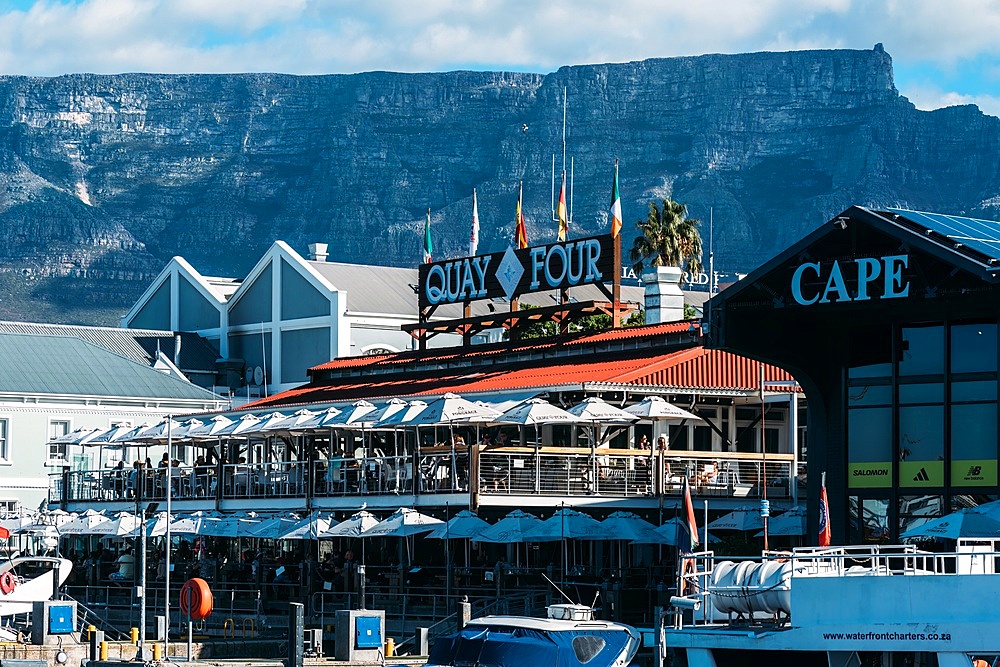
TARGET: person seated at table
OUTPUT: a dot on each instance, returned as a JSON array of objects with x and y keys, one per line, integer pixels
[
  {"x": 134, "y": 480},
  {"x": 643, "y": 443},
  {"x": 485, "y": 440},
  {"x": 126, "y": 567},
  {"x": 661, "y": 443},
  {"x": 202, "y": 476},
  {"x": 502, "y": 439}
]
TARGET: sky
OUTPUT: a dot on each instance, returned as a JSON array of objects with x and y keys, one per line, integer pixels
[{"x": 944, "y": 52}]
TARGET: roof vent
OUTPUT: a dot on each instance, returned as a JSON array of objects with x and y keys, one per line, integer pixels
[{"x": 317, "y": 252}]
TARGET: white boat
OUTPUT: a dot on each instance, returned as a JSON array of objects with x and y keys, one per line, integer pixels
[
  {"x": 569, "y": 637},
  {"x": 839, "y": 606},
  {"x": 27, "y": 579}
]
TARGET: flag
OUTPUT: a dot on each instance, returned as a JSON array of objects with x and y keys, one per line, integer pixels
[
  {"x": 521, "y": 234},
  {"x": 692, "y": 525},
  {"x": 4, "y": 533},
  {"x": 561, "y": 211},
  {"x": 616, "y": 207},
  {"x": 824, "y": 515},
  {"x": 428, "y": 245},
  {"x": 474, "y": 237}
]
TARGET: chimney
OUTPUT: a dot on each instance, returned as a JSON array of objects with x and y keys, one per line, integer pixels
[
  {"x": 177, "y": 350},
  {"x": 664, "y": 298},
  {"x": 317, "y": 252}
]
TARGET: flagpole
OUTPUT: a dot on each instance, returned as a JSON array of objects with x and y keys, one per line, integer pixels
[{"x": 166, "y": 573}]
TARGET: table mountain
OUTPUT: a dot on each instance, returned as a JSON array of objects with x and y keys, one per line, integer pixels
[{"x": 106, "y": 177}]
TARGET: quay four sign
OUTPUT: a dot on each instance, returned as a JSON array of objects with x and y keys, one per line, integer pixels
[
  {"x": 511, "y": 273},
  {"x": 862, "y": 279}
]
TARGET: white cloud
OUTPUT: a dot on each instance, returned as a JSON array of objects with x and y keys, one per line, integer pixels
[{"x": 928, "y": 98}]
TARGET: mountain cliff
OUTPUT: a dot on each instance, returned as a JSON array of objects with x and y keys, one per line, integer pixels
[{"x": 106, "y": 177}]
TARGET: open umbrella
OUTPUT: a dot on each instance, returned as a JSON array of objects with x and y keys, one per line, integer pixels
[
  {"x": 402, "y": 523},
  {"x": 536, "y": 411},
  {"x": 791, "y": 522},
  {"x": 598, "y": 411},
  {"x": 120, "y": 525},
  {"x": 352, "y": 527},
  {"x": 229, "y": 526},
  {"x": 359, "y": 412},
  {"x": 630, "y": 527},
  {"x": 82, "y": 524},
  {"x": 568, "y": 523},
  {"x": 744, "y": 518},
  {"x": 273, "y": 528},
  {"x": 465, "y": 524},
  {"x": 676, "y": 532},
  {"x": 239, "y": 426},
  {"x": 309, "y": 528},
  {"x": 319, "y": 420},
  {"x": 294, "y": 423},
  {"x": 963, "y": 523},
  {"x": 401, "y": 417},
  {"x": 452, "y": 408},
  {"x": 266, "y": 422},
  {"x": 511, "y": 528},
  {"x": 655, "y": 408},
  {"x": 211, "y": 429}
]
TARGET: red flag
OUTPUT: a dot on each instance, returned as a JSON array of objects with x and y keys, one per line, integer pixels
[
  {"x": 521, "y": 233},
  {"x": 824, "y": 516},
  {"x": 4, "y": 533},
  {"x": 692, "y": 525},
  {"x": 561, "y": 211}
]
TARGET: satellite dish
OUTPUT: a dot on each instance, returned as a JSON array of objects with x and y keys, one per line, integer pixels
[{"x": 258, "y": 375}]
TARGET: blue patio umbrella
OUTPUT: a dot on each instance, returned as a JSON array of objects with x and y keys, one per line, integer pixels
[{"x": 963, "y": 523}]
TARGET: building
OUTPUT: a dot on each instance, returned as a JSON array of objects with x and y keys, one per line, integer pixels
[
  {"x": 888, "y": 320},
  {"x": 55, "y": 381}
]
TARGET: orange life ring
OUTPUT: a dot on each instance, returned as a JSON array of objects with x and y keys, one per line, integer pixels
[
  {"x": 8, "y": 582},
  {"x": 196, "y": 599},
  {"x": 688, "y": 567}
]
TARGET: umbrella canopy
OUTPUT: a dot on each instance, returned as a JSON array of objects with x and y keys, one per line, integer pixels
[
  {"x": 402, "y": 417},
  {"x": 402, "y": 523},
  {"x": 963, "y": 523},
  {"x": 294, "y": 423},
  {"x": 632, "y": 528},
  {"x": 655, "y": 408},
  {"x": 134, "y": 434},
  {"x": 353, "y": 527},
  {"x": 568, "y": 523},
  {"x": 319, "y": 420},
  {"x": 189, "y": 525},
  {"x": 359, "y": 412},
  {"x": 511, "y": 528},
  {"x": 536, "y": 411},
  {"x": 82, "y": 524},
  {"x": 120, "y": 525},
  {"x": 391, "y": 407},
  {"x": 452, "y": 408},
  {"x": 109, "y": 436},
  {"x": 309, "y": 528},
  {"x": 80, "y": 436},
  {"x": 239, "y": 426},
  {"x": 598, "y": 411},
  {"x": 465, "y": 524},
  {"x": 266, "y": 422},
  {"x": 211, "y": 429},
  {"x": 160, "y": 431},
  {"x": 677, "y": 535},
  {"x": 274, "y": 527},
  {"x": 745, "y": 518},
  {"x": 792, "y": 522},
  {"x": 16, "y": 523},
  {"x": 229, "y": 526}
]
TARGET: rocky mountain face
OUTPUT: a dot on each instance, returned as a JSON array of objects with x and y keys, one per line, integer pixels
[{"x": 106, "y": 177}]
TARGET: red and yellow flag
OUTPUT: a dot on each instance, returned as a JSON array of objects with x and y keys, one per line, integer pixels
[
  {"x": 561, "y": 211},
  {"x": 521, "y": 233}
]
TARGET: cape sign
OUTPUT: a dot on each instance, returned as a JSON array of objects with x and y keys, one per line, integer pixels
[{"x": 510, "y": 273}]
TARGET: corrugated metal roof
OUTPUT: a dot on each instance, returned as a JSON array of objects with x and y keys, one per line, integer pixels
[
  {"x": 38, "y": 364},
  {"x": 138, "y": 345},
  {"x": 373, "y": 289}
]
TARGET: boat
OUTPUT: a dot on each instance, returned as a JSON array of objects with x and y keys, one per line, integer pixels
[
  {"x": 569, "y": 636},
  {"x": 25, "y": 580},
  {"x": 838, "y": 606}
]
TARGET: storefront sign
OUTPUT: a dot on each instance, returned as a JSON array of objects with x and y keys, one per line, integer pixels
[
  {"x": 869, "y": 475},
  {"x": 974, "y": 473},
  {"x": 511, "y": 273},
  {"x": 921, "y": 473},
  {"x": 863, "y": 279}
]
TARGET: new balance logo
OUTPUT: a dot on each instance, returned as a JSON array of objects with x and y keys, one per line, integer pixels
[
  {"x": 974, "y": 471},
  {"x": 922, "y": 476}
]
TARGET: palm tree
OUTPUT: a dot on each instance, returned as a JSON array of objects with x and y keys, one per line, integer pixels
[{"x": 668, "y": 238}]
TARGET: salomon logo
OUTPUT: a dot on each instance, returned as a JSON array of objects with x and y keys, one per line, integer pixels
[{"x": 922, "y": 476}]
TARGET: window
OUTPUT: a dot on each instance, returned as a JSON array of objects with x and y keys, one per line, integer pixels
[
  {"x": 4, "y": 440},
  {"x": 57, "y": 429}
]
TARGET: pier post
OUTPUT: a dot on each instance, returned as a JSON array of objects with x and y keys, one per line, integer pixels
[
  {"x": 296, "y": 630},
  {"x": 463, "y": 614},
  {"x": 423, "y": 641}
]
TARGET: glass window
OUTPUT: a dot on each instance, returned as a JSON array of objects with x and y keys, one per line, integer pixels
[
  {"x": 869, "y": 434},
  {"x": 921, "y": 433},
  {"x": 57, "y": 429},
  {"x": 871, "y": 353},
  {"x": 922, "y": 351},
  {"x": 869, "y": 394},
  {"x": 4, "y": 440},
  {"x": 869, "y": 520},
  {"x": 915, "y": 511},
  {"x": 974, "y": 431},
  {"x": 587, "y": 647},
  {"x": 978, "y": 390},
  {"x": 973, "y": 348},
  {"x": 923, "y": 392}
]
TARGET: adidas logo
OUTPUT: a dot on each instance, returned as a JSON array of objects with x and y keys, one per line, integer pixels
[{"x": 922, "y": 476}]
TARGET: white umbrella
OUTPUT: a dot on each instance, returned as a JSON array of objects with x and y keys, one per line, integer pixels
[
  {"x": 191, "y": 524},
  {"x": 133, "y": 434},
  {"x": 452, "y": 408},
  {"x": 160, "y": 431},
  {"x": 391, "y": 407},
  {"x": 108, "y": 436},
  {"x": 655, "y": 408},
  {"x": 359, "y": 412},
  {"x": 319, "y": 420},
  {"x": 82, "y": 524},
  {"x": 792, "y": 522},
  {"x": 465, "y": 524},
  {"x": 402, "y": 523},
  {"x": 211, "y": 429},
  {"x": 122, "y": 524},
  {"x": 239, "y": 426},
  {"x": 352, "y": 527},
  {"x": 309, "y": 528},
  {"x": 511, "y": 528},
  {"x": 290, "y": 424},
  {"x": 402, "y": 417},
  {"x": 963, "y": 523},
  {"x": 78, "y": 436},
  {"x": 633, "y": 528},
  {"x": 745, "y": 518},
  {"x": 568, "y": 523},
  {"x": 598, "y": 411},
  {"x": 536, "y": 411},
  {"x": 266, "y": 422},
  {"x": 273, "y": 528},
  {"x": 676, "y": 532},
  {"x": 229, "y": 526}
]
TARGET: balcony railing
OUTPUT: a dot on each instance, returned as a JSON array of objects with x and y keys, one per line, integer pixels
[{"x": 506, "y": 471}]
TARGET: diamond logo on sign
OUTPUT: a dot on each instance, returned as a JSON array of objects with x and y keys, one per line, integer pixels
[{"x": 509, "y": 272}]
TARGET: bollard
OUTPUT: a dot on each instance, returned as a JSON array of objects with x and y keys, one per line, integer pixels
[
  {"x": 157, "y": 651},
  {"x": 390, "y": 647},
  {"x": 96, "y": 639},
  {"x": 104, "y": 651},
  {"x": 91, "y": 629},
  {"x": 134, "y": 635},
  {"x": 296, "y": 630},
  {"x": 463, "y": 614}
]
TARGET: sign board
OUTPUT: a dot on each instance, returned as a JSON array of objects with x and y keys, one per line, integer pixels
[
  {"x": 511, "y": 273},
  {"x": 845, "y": 281},
  {"x": 921, "y": 473},
  {"x": 876, "y": 475},
  {"x": 974, "y": 473}
]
